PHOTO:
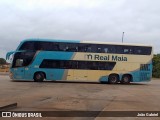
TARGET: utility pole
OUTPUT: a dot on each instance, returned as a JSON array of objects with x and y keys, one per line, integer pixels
[{"x": 122, "y": 36}]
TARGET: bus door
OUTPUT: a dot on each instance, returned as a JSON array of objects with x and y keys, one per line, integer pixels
[
  {"x": 81, "y": 75},
  {"x": 19, "y": 71},
  {"x": 20, "y": 65}
]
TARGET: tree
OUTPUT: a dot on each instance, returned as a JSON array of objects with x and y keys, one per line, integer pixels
[
  {"x": 156, "y": 66},
  {"x": 2, "y": 61}
]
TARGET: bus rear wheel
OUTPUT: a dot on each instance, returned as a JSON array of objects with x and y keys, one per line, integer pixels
[
  {"x": 126, "y": 79},
  {"x": 39, "y": 77},
  {"x": 113, "y": 79}
]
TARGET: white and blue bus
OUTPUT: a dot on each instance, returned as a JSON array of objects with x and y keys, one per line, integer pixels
[{"x": 46, "y": 59}]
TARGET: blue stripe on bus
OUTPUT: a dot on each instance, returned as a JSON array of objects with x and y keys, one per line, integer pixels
[{"x": 50, "y": 55}]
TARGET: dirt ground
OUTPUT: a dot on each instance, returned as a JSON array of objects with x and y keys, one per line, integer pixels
[{"x": 81, "y": 96}]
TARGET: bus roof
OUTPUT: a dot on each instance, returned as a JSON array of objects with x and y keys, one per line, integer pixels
[{"x": 79, "y": 41}]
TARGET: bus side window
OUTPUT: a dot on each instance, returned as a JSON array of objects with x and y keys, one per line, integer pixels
[
  {"x": 82, "y": 47},
  {"x": 63, "y": 47},
  {"x": 143, "y": 50},
  {"x": 137, "y": 50},
  {"x": 112, "y": 49},
  {"x": 73, "y": 64},
  {"x": 119, "y": 49},
  {"x": 127, "y": 50},
  {"x": 27, "y": 46},
  {"x": 106, "y": 50},
  {"x": 46, "y": 46},
  {"x": 55, "y": 46},
  {"x": 91, "y": 48},
  {"x": 100, "y": 49},
  {"x": 72, "y": 47},
  {"x": 82, "y": 65},
  {"x": 109, "y": 49},
  {"x": 39, "y": 45},
  {"x": 94, "y": 66},
  {"x": 146, "y": 50}
]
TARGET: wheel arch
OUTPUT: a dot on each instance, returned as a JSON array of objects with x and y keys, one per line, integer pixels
[
  {"x": 40, "y": 72},
  {"x": 129, "y": 74},
  {"x": 118, "y": 76}
]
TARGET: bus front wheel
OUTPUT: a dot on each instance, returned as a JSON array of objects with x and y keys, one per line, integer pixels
[{"x": 39, "y": 77}]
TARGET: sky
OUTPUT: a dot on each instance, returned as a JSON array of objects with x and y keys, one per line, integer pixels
[{"x": 95, "y": 20}]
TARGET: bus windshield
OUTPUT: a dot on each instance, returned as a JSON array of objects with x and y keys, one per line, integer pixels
[{"x": 22, "y": 59}]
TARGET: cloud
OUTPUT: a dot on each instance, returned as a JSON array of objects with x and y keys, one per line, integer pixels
[{"x": 98, "y": 20}]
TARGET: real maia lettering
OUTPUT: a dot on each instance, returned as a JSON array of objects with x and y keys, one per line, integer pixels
[{"x": 106, "y": 58}]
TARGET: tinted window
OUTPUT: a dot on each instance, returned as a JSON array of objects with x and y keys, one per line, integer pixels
[
  {"x": 27, "y": 46},
  {"x": 43, "y": 46},
  {"x": 127, "y": 50},
  {"x": 142, "y": 50},
  {"x": 109, "y": 49},
  {"x": 49, "y": 46},
  {"x": 91, "y": 48},
  {"x": 46, "y": 46},
  {"x": 106, "y": 49},
  {"x": 84, "y": 47},
  {"x": 74, "y": 64},
  {"x": 70, "y": 47},
  {"x": 55, "y": 46},
  {"x": 100, "y": 48}
]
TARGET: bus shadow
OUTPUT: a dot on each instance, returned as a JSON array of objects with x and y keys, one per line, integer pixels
[
  {"x": 92, "y": 82},
  {"x": 133, "y": 84},
  {"x": 79, "y": 82},
  {"x": 74, "y": 82},
  {"x": 20, "y": 81}
]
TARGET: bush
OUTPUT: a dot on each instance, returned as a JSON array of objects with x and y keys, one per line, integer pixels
[
  {"x": 156, "y": 66},
  {"x": 2, "y": 61}
]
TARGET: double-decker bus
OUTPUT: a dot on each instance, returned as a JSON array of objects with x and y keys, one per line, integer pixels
[{"x": 45, "y": 59}]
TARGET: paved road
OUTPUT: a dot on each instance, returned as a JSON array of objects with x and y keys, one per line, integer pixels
[{"x": 55, "y": 96}]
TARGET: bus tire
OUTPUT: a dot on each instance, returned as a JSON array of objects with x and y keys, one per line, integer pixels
[
  {"x": 113, "y": 79},
  {"x": 126, "y": 79},
  {"x": 39, "y": 77}
]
